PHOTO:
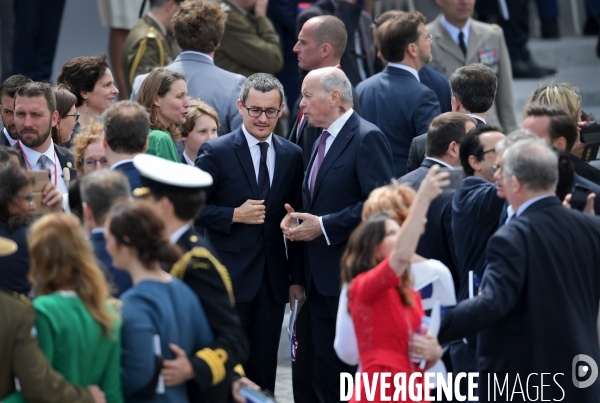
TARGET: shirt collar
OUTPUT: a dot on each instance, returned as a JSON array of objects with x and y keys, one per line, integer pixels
[
  {"x": 440, "y": 162},
  {"x": 476, "y": 118},
  {"x": 252, "y": 141},
  {"x": 162, "y": 28},
  {"x": 116, "y": 164},
  {"x": 197, "y": 53},
  {"x": 529, "y": 202},
  {"x": 454, "y": 31},
  {"x": 188, "y": 160},
  {"x": 10, "y": 139},
  {"x": 174, "y": 237},
  {"x": 509, "y": 213},
  {"x": 337, "y": 125},
  {"x": 33, "y": 156},
  {"x": 412, "y": 71}
]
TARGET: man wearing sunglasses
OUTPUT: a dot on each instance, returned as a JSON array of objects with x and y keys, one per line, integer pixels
[{"x": 255, "y": 174}]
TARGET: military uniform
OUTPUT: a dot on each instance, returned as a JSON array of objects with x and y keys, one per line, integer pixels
[
  {"x": 250, "y": 44},
  {"x": 147, "y": 46},
  {"x": 218, "y": 365},
  {"x": 22, "y": 358},
  {"x": 487, "y": 46}
]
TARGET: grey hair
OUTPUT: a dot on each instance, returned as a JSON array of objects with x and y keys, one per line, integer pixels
[
  {"x": 262, "y": 82},
  {"x": 533, "y": 163},
  {"x": 101, "y": 189},
  {"x": 337, "y": 80},
  {"x": 514, "y": 137}
]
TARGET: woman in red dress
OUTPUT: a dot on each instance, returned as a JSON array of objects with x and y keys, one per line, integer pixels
[{"x": 386, "y": 312}]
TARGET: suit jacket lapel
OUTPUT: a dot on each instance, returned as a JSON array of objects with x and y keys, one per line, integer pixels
[
  {"x": 281, "y": 160},
  {"x": 474, "y": 44},
  {"x": 339, "y": 144},
  {"x": 66, "y": 161},
  {"x": 243, "y": 153},
  {"x": 442, "y": 38}
]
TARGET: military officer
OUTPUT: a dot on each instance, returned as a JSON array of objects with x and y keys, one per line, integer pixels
[
  {"x": 150, "y": 43},
  {"x": 459, "y": 40},
  {"x": 177, "y": 191},
  {"x": 22, "y": 358}
]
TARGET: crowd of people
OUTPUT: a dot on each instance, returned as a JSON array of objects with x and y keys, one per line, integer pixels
[{"x": 151, "y": 245}]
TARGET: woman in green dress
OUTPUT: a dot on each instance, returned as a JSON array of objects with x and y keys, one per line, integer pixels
[
  {"x": 76, "y": 329},
  {"x": 164, "y": 95}
]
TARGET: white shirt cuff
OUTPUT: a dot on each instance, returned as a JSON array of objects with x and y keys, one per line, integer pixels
[{"x": 323, "y": 229}]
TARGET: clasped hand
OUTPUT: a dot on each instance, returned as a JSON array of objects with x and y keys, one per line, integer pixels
[{"x": 309, "y": 229}]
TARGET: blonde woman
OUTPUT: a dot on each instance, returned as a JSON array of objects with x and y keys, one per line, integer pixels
[{"x": 76, "y": 329}]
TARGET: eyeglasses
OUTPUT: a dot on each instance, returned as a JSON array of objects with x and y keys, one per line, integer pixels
[
  {"x": 90, "y": 163},
  {"x": 255, "y": 112},
  {"x": 488, "y": 151},
  {"x": 495, "y": 168},
  {"x": 26, "y": 196},
  {"x": 75, "y": 116}
]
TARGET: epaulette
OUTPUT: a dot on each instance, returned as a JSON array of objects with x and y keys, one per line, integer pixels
[
  {"x": 20, "y": 297},
  {"x": 152, "y": 35},
  {"x": 179, "y": 268}
]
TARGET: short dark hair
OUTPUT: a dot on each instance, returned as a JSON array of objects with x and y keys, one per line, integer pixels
[
  {"x": 445, "y": 129},
  {"x": 475, "y": 86},
  {"x": 199, "y": 26},
  {"x": 65, "y": 100},
  {"x": 332, "y": 30},
  {"x": 37, "y": 89},
  {"x": 10, "y": 86},
  {"x": 126, "y": 127},
  {"x": 397, "y": 33},
  {"x": 82, "y": 73},
  {"x": 7, "y": 152},
  {"x": 187, "y": 205},
  {"x": 101, "y": 189},
  {"x": 262, "y": 82},
  {"x": 12, "y": 179},
  {"x": 472, "y": 145},
  {"x": 561, "y": 123}
]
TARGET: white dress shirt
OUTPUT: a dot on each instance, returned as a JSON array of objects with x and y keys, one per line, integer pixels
[
  {"x": 442, "y": 163},
  {"x": 174, "y": 237},
  {"x": 333, "y": 130},
  {"x": 197, "y": 53},
  {"x": 188, "y": 160},
  {"x": 454, "y": 31},
  {"x": 10, "y": 139},
  {"x": 32, "y": 158},
  {"x": 479, "y": 118},
  {"x": 255, "y": 153},
  {"x": 412, "y": 71}
]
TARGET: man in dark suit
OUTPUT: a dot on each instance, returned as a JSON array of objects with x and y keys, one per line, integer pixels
[
  {"x": 473, "y": 92},
  {"x": 559, "y": 129},
  {"x": 428, "y": 76},
  {"x": 321, "y": 43},
  {"x": 358, "y": 59},
  {"x": 177, "y": 191},
  {"x": 8, "y": 89},
  {"x": 406, "y": 44},
  {"x": 445, "y": 134},
  {"x": 255, "y": 173},
  {"x": 35, "y": 115},
  {"x": 126, "y": 129},
  {"x": 334, "y": 189},
  {"x": 99, "y": 191},
  {"x": 541, "y": 286}
]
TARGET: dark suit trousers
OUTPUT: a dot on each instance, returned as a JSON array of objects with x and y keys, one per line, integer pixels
[
  {"x": 262, "y": 319},
  {"x": 323, "y": 313},
  {"x": 305, "y": 376}
]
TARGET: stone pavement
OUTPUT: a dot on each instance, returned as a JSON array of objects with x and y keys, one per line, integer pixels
[{"x": 283, "y": 384}]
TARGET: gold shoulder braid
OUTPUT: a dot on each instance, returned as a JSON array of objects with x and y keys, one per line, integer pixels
[{"x": 178, "y": 269}]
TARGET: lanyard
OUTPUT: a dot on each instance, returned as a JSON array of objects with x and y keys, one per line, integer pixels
[{"x": 31, "y": 168}]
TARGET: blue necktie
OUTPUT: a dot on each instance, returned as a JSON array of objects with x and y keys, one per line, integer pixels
[{"x": 264, "y": 184}]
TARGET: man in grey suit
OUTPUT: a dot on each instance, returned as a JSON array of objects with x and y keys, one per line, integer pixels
[
  {"x": 459, "y": 40},
  {"x": 198, "y": 28}
]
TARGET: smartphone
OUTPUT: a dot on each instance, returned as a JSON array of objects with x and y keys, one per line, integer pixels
[
  {"x": 590, "y": 135},
  {"x": 579, "y": 196},
  {"x": 456, "y": 178},
  {"x": 40, "y": 179}
]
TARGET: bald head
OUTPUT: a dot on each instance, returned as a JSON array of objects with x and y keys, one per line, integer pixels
[
  {"x": 321, "y": 42},
  {"x": 326, "y": 95}
]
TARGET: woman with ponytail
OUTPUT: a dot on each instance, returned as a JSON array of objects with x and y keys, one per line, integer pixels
[
  {"x": 76, "y": 329},
  {"x": 385, "y": 310},
  {"x": 162, "y": 317}
]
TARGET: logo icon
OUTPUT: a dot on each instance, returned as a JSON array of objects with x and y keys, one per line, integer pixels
[{"x": 581, "y": 371}]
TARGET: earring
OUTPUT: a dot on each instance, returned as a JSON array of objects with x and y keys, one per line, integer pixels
[{"x": 87, "y": 103}]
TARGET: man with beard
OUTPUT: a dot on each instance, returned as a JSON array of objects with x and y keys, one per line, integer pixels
[
  {"x": 7, "y": 108},
  {"x": 395, "y": 100},
  {"x": 35, "y": 115}
]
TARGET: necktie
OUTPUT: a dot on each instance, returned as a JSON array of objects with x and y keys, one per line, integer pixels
[
  {"x": 461, "y": 43},
  {"x": 318, "y": 161},
  {"x": 264, "y": 184},
  {"x": 42, "y": 161},
  {"x": 299, "y": 123}
]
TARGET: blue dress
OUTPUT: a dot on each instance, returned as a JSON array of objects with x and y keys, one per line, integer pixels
[{"x": 174, "y": 313}]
